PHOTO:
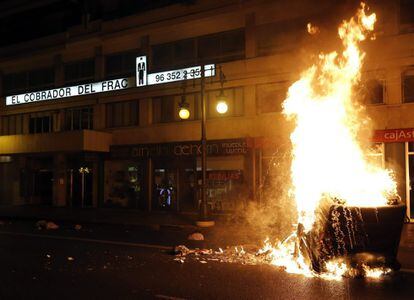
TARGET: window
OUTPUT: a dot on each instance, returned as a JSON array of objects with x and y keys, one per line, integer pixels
[
  {"x": 217, "y": 47},
  {"x": 121, "y": 64},
  {"x": 178, "y": 53},
  {"x": 223, "y": 46},
  {"x": 81, "y": 71},
  {"x": 165, "y": 109},
  {"x": 11, "y": 125},
  {"x": 374, "y": 91},
  {"x": 408, "y": 87},
  {"x": 406, "y": 12},
  {"x": 280, "y": 36},
  {"x": 79, "y": 118},
  {"x": 29, "y": 81},
  {"x": 270, "y": 97},
  {"x": 122, "y": 114},
  {"x": 40, "y": 123}
]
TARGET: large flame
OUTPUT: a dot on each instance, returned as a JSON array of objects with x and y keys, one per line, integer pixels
[{"x": 328, "y": 161}]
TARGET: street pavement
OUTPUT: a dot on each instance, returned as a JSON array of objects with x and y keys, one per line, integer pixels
[{"x": 124, "y": 262}]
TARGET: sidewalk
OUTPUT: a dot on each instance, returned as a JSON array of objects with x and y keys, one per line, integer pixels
[{"x": 100, "y": 216}]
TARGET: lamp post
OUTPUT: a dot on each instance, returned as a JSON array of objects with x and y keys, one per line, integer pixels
[{"x": 205, "y": 219}]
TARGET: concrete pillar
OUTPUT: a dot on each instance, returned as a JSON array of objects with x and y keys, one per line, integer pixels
[
  {"x": 99, "y": 116},
  {"x": 95, "y": 184},
  {"x": 59, "y": 179},
  {"x": 145, "y": 112},
  {"x": 59, "y": 71},
  {"x": 250, "y": 36}
]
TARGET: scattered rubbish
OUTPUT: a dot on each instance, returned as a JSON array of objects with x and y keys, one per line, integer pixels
[
  {"x": 78, "y": 227},
  {"x": 180, "y": 260},
  {"x": 196, "y": 236},
  {"x": 203, "y": 262},
  {"x": 41, "y": 224},
  {"x": 70, "y": 258},
  {"x": 182, "y": 250},
  {"x": 48, "y": 256},
  {"x": 51, "y": 226}
]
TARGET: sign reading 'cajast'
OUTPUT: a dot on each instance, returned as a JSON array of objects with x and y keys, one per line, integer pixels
[
  {"x": 394, "y": 135},
  {"x": 184, "y": 149},
  {"x": 70, "y": 91}
]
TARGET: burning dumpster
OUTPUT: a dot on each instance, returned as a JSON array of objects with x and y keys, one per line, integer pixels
[{"x": 360, "y": 237}]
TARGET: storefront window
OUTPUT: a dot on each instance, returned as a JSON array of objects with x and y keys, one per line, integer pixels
[
  {"x": 124, "y": 184},
  {"x": 226, "y": 186},
  {"x": 165, "y": 189}
]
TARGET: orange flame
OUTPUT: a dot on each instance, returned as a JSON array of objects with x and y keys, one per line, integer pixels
[{"x": 328, "y": 160}]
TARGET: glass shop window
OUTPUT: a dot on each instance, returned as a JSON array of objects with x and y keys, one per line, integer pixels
[
  {"x": 79, "y": 118},
  {"x": 226, "y": 186},
  {"x": 80, "y": 71},
  {"x": 124, "y": 184},
  {"x": 122, "y": 114},
  {"x": 376, "y": 154},
  {"x": 270, "y": 97},
  {"x": 121, "y": 64},
  {"x": 408, "y": 87}
]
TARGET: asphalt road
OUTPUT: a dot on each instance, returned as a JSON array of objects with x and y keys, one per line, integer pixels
[{"x": 72, "y": 265}]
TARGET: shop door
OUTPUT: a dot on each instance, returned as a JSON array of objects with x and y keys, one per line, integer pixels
[
  {"x": 43, "y": 186},
  {"x": 164, "y": 196},
  {"x": 80, "y": 187}
]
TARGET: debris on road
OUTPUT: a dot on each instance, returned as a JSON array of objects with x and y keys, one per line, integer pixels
[
  {"x": 51, "y": 225},
  {"x": 196, "y": 236},
  {"x": 182, "y": 250},
  {"x": 180, "y": 260},
  {"x": 78, "y": 227},
  {"x": 41, "y": 224},
  {"x": 70, "y": 258},
  {"x": 48, "y": 256}
]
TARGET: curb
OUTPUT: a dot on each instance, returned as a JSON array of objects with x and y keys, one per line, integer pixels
[{"x": 156, "y": 226}]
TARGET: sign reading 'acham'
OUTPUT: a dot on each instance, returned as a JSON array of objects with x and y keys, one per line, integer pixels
[{"x": 70, "y": 91}]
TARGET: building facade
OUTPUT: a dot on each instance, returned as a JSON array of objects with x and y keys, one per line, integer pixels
[{"x": 127, "y": 147}]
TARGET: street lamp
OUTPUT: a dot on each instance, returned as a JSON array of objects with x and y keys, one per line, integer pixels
[
  {"x": 205, "y": 219},
  {"x": 184, "y": 112}
]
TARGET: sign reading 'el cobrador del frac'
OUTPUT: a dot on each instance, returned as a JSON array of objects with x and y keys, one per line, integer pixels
[
  {"x": 70, "y": 91},
  {"x": 142, "y": 79}
]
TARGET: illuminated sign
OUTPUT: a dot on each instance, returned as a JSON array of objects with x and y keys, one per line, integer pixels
[
  {"x": 70, "y": 91},
  {"x": 142, "y": 79},
  {"x": 141, "y": 69},
  {"x": 180, "y": 74}
]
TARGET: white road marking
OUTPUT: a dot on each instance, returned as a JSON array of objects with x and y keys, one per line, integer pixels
[{"x": 119, "y": 243}]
